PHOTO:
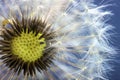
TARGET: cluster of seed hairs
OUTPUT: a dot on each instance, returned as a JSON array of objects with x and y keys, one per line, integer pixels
[
  {"x": 15, "y": 29},
  {"x": 73, "y": 38}
]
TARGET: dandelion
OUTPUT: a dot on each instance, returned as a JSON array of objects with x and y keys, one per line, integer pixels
[{"x": 54, "y": 40}]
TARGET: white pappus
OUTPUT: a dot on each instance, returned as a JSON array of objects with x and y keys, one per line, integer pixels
[{"x": 81, "y": 41}]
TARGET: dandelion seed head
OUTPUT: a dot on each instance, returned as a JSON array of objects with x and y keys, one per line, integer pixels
[{"x": 54, "y": 40}]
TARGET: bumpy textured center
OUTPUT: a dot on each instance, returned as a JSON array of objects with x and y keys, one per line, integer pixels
[{"x": 28, "y": 47}]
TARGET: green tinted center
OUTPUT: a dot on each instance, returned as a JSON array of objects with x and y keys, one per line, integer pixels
[{"x": 28, "y": 47}]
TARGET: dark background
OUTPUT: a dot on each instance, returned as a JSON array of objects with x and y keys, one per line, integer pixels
[{"x": 115, "y": 21}]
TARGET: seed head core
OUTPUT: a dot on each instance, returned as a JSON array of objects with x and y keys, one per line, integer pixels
[{"x": 28, "y": 47}]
